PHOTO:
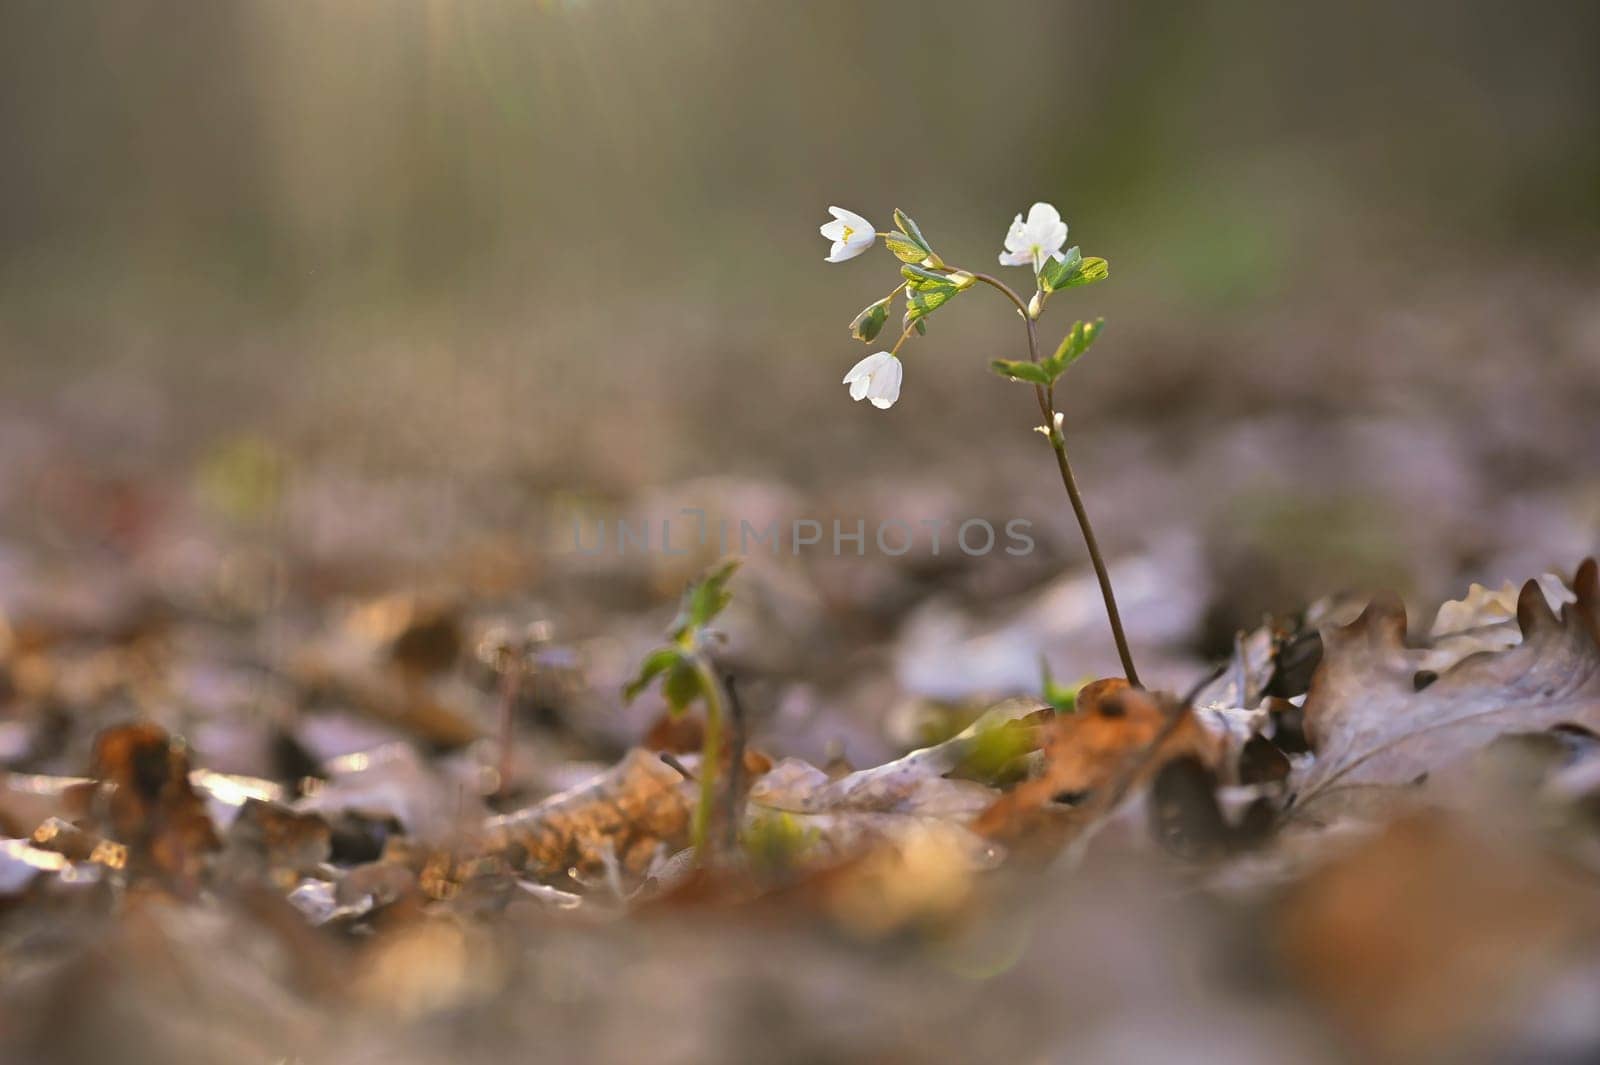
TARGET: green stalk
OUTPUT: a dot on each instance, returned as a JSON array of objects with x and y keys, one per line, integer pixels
[{"x": 710, "y": 757}]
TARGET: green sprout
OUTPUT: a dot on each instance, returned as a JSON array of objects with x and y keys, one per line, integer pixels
[
  {"x": 684, "y": 669},
  {"x": 928, "y": 283},
  {"x": 1063, "y": 698}
]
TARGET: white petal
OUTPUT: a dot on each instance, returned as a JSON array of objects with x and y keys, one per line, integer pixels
[
  {"x": 867, "y": 365},
  {"x": 850, "y": 218},
  {"x": 842, "y": 251},
  {"x": 1016, "y": 235},
  {"x": 885, "y": 388},
  {"x": 1042, "y": 215},
  {"x": 832, "y": 230},
  {"x": 858, "y": 388},
  {"x": 1016, "y": 258}
]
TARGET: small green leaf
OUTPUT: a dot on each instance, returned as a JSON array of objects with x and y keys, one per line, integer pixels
[
  {"x": 683, "y": 685},
  {"x": 918, "y": 276},
  {"x": 922, "y": 327},
  {"x": 1059, "y": 696},
  {"x": 1093, "y": 269},
  {"x": 1021, "y": 371},
  {"x": 869, "y": 323},
  {"x": 907, "y": 225},
  {"x": 1053, "y": 275},
  {"x": 1076, "y": 342},
  {"x": 925, "y": 301},
  {"x": 703, "y": 600},
  {"x": 655, "y": 663},
  {"x": 1072, "y": 271},
  {"x": 905, "y": 249}
]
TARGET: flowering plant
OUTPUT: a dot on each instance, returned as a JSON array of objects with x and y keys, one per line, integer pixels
[{"x": 927, "y": 283}]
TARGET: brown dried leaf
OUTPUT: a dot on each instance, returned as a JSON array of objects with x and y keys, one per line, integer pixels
[
  {"x": 1372, "y": 731},
  {"x": 1119, "y": 736},
  {"x": 1434, "y": 939},
  {"x": 628, "y": 814},
  {"x": 921, "y": 798},
  {"x": 145, "y": 800}
]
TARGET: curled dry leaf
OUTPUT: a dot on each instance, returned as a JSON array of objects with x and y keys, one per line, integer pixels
[
  {"x": 629, "y": 813},
  {"x": 1117, "y": 739},
  {"x": 1372, "y": 730},
  {"x": 924, "y": 799},
  {"x": 146, "y": 802}
]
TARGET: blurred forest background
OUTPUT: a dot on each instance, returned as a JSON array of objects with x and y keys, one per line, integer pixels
[{"x": 370, "y": 282}]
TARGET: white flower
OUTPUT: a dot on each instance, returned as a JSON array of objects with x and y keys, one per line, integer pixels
[
  {"x": 851, "y": 234},
  {"x": 876, "y": 378},
  {"x": 1041, "y": 237}
]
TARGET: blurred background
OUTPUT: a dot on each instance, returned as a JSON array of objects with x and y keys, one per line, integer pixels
[{"x": 352, "y": 295}]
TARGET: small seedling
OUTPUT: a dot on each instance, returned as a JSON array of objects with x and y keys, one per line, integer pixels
[
  {"x": 928, "y": 283},
  {"x": 684, "y": 670}
]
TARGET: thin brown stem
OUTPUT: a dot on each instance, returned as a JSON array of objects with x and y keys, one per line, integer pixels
[
  {"x": 510, "y": 691},
  {"x": 1047, "y": 407}
]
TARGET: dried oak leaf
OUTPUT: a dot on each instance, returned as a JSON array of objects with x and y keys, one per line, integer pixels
[
  {"x": 1372, "y": 730},
  {"x": 1483, "y": 620}
]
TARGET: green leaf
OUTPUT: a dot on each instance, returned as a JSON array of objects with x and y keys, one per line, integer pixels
[
  {"x": 918, "y": 276},
  {"x": 909, "y": 245},
  {"x": 869, "y": 323},
  {"x": 1093, "y": 269},
  {"x": 922, "y": 327},
  {"x": 907, "y": 225},
  {"x": 655, "y": 663},
  {"x": 905, "y": 249},
  {"x": 1053, "y": 275},
  {"x": 1076, "y": 342},
  {"x": 684, "y": 684},
  {"x": 925, "y": 301},
  {"x": 1063, "y": 698},
  {"x": 1021, "y": 371},
  {"x": 703, "y": 600},
  {"x": 1072, "y": 271}
]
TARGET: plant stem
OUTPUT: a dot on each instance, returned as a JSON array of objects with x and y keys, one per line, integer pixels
[
  {"x": 510, "y": 689},
  {"x": 1047, "y": 406},
  {"x": 710, "y": 755},
  {"x": 738, "y": 737}
]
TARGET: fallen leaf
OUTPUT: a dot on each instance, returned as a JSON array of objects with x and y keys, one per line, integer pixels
[
  {"x": 1372, "y": 730},
  {"x": 144, "y": 800},
  {"x": 625, "y": 815},
  {"x": 1433, "y": 940},
  {"x": 1117, "y": 739}
]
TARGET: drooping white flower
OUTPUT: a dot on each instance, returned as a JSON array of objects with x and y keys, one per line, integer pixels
[
  {"x": 876, "y": 378},
  {"x": 1031, "y": 242},
  {"x": 851, "y": 234}
]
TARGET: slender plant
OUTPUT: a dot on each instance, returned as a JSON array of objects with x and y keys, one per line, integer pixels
[
  {"x": 928, "y": 283},
  {"x": 684, "y": 669}
]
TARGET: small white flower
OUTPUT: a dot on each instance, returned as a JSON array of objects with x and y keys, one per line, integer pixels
[
  {"x": 1041, "y": 237},
  {"x": 851, "y": 234},
  {"x": 876, "y": 378}
]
